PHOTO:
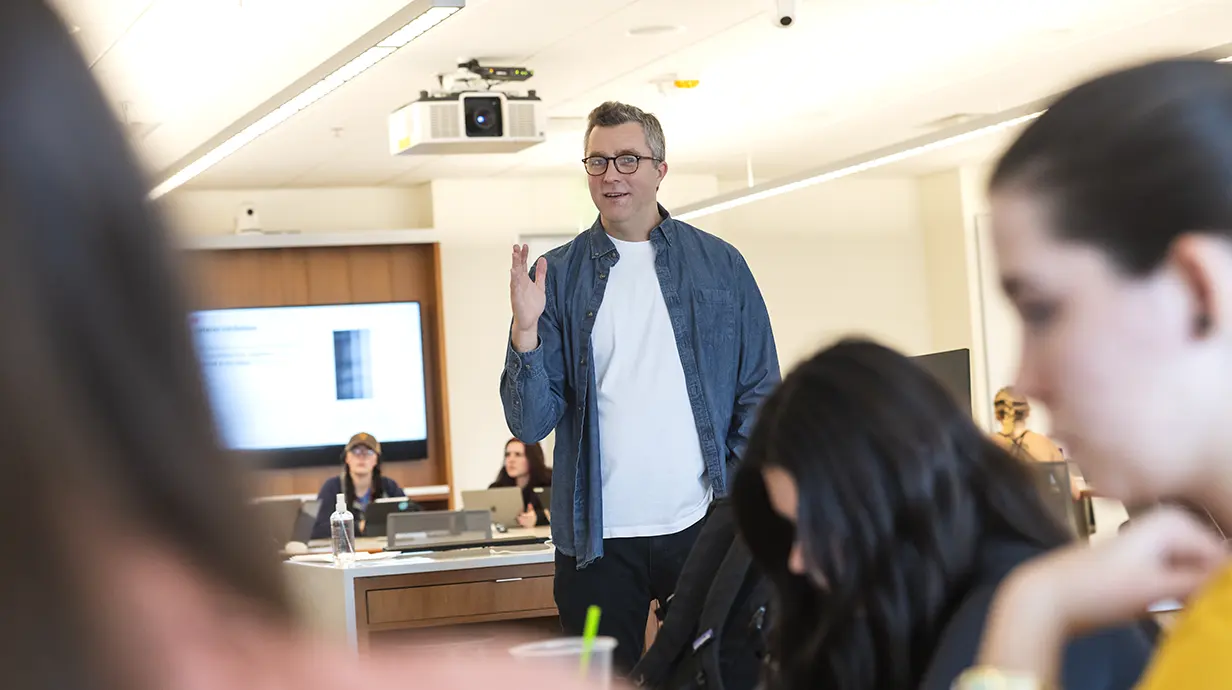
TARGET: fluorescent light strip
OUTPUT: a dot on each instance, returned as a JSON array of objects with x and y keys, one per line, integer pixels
[
  {"x": 388, "y": 46},
  {"x": 786, "y": 187},
  {"x": 770, "y": 192}
]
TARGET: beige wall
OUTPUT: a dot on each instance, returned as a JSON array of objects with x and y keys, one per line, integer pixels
[
  {"x": 943, "y": 218},
  {"x": 841, "y": 258},
  {"x": 954, "y": 275},
  {"x": 212, "y": 212}
]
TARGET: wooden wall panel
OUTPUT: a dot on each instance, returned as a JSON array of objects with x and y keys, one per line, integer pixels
[
  {"x": 370, "y": 272},
  {"x": 290, "y": 272},
  {"x": 340, "y": 275},
  {"x": 329, "y": 276}
]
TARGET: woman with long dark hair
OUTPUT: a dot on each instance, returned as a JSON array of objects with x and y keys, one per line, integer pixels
[
  {"x": 1112, "y": 224},
  {"x": 149, "y": 575},
  {"x": 360, "y": 482},
  {"x": 885, "y": 520},
  {"x": 525, "y": 467}
]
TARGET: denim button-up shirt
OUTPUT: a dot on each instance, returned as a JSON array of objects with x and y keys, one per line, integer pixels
[{"x": 725, "y": 344}]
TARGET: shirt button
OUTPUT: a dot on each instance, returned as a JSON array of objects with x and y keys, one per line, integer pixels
[
  {"x": 602, "y": 276},
  {"x": 590, "y": 313},
  {"x": 583, "y": 360}
]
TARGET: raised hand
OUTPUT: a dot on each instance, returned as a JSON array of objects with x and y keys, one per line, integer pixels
[{"x": 527, "y": 297}]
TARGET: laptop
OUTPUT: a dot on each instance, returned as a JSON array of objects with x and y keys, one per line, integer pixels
[
  {"x": 505, "y": 504},
  {"x": 376, "y": 519},
  {"x": 545, "y": 496},
  {"x": 275, "y": 518}
]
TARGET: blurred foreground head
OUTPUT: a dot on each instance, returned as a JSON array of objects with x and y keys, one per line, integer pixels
[
  {"x": 1112, "y": 222},
  {"x": 112, "y": 473}
]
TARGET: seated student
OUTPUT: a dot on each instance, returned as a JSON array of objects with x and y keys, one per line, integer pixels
[
  {"x": 885, "y": 520},
  {"x": 360, "y": 480},
  {"x": 525, "y": 467}
]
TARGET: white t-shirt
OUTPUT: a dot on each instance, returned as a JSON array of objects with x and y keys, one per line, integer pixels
[{"x": 654, "y": 475}]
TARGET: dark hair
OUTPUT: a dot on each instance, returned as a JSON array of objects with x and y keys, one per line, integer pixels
[
  {"x": 540, "y": 473},
  {"x": 348, "y": 482},
  {"x": 897, "y": 491},
  {"x": 100, "y": 389},
  {"x": 1132, "y": 160},
  {"x": 614, "y": 113}
]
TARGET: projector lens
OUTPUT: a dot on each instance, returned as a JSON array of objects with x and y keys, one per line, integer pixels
[{"x": 482, "y": 115}]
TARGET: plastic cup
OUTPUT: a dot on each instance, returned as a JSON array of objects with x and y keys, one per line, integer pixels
[{"x": 566, "y": 654}]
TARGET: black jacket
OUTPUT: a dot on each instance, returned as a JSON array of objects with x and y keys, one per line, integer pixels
[
  {"x": 328, "y": 496},
  {"x": 1111, "y": 659}
]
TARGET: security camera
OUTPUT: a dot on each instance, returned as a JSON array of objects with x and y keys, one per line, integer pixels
[
  {"x": 246, "y": 219},
  {"x": 784, "y": 13}
]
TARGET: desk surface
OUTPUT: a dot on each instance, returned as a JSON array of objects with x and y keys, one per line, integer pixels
[
  {"x": 325, "y": 594},
  {"x": 407, "y": 562},
  {"x": 378, "y": 544}
]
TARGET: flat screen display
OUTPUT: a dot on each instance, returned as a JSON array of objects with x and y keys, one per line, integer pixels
[
  {"x": 953, "y": 369},
  {"x": 293, "y": 384}
]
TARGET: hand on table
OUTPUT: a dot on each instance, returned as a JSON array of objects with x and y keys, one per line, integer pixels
[{"x": 528, "y": 519}]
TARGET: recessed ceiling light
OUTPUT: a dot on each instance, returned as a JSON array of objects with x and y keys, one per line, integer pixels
[{"x": 655, "y": 30}]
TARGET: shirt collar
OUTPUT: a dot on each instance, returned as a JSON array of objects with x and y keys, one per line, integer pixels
[{"x": 601, "y": 244}]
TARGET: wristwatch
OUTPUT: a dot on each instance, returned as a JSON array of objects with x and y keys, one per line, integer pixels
[{"x": 988, "y": 678}]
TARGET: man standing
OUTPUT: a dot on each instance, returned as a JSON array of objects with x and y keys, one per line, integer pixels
[{"x": 645, "y": 343}]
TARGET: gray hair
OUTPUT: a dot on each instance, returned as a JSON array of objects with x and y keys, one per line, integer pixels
[{"x": 613, "y": 113}]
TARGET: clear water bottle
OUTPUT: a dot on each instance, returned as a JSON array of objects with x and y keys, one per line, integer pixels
[{"x": 342, "y": 533}]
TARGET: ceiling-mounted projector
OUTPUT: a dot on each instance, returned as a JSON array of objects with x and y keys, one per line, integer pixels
[{"x": 467, "y": 122}]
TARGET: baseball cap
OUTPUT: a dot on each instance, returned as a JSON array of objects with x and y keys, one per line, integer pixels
[{"x": 364, "y": 439}]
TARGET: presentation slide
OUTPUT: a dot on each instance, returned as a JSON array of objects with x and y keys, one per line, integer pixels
[{"x": 302, "y": 377}]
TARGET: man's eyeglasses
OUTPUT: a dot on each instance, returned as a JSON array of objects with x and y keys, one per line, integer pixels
[
  {"x": 626, "y": 164},
  {"x": 362, "y": 451}
]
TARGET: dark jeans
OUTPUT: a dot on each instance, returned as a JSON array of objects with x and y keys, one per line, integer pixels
[{"x": 631, "y": 573}]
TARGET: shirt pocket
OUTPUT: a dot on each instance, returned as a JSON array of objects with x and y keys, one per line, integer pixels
[{"x": 716, "y": 316}]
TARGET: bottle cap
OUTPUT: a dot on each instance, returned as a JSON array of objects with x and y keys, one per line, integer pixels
[{"x": 341, "y": 502}]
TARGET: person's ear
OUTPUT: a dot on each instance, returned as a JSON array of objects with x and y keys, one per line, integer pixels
[
  {"x": 661, "y": 169},
  {"x": 1204, "y": 265}
]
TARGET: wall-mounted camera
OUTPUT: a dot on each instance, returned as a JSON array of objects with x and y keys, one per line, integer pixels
[
  {"x": 246, "y": 219},
  {"x": 784, "y": 13}
]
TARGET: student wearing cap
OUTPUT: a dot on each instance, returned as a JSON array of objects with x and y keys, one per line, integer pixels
[{"x": 361, "y": 481}]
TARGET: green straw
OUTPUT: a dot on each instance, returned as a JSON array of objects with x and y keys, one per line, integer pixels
[{"x": 589, "y": 633}]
